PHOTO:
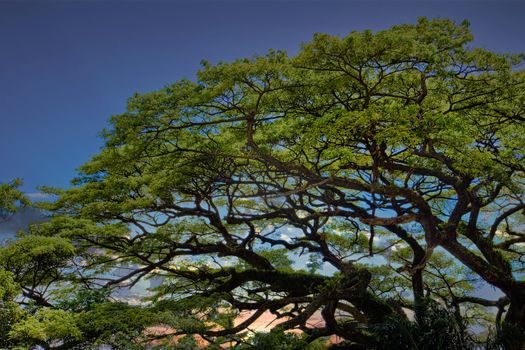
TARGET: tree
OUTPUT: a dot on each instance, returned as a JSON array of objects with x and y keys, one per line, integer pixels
[
  {"x": 391, "y": 157},
  {"x": 11, "y": 197},
  {"x": 10, "y": 311}
]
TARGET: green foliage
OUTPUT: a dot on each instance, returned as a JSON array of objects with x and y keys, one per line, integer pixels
[
  {"x": 185, "y": 343},
  {"x": 36, "y": 260},
  {"x": 10, "y": 311},
  {"x": 77, "y": 298},
  {"x": 46, "y": 326},
  {"x": 314, "y": 263},
  {"x": 11, "y": 197},
  {"x": 116, "y": 322},
  {"x": 438, "y": 329},
  {"x": 282, "y": 341},
  {"x": 278, "y": 257}
]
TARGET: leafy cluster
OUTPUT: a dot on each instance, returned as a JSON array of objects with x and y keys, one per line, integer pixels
[{"x": 10, "y": 198}]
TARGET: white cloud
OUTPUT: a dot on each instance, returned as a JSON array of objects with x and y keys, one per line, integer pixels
[
  {"x": 302, "y": 214},
  {"x": 38, "y": 195},
  {"x": 285, "y": 237},
  {"x": 501, "y": 233},
  {"x": 397, "y": 246}
]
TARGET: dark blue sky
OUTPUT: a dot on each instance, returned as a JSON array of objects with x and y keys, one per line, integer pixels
[{"x": 66, "y": 67}]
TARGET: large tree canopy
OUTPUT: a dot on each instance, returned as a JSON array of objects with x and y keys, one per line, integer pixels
[{"x": 367, "y": 179}]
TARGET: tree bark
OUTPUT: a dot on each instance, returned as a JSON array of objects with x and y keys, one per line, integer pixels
[{"x": 513, "y": 328}]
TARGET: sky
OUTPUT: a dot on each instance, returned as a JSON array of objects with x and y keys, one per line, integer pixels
[{"x": 67, "y": 66}]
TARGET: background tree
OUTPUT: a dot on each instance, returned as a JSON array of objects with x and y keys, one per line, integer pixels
[
  {"x": 10, "y": 311},
  {"x": 11, "y": 197},
  {"x": 389, "y": 160}
]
